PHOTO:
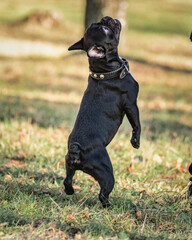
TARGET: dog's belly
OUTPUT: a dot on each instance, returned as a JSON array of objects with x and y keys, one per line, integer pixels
[{"x": 98, "y": 120}]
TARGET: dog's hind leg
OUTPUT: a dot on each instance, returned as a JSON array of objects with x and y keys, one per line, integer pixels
[
  {"x": 106, "y": 183},
  {"x": 99, "y": 166},
  {"x": 68, "y": 180},
  {"x": 71, "y": 159}
]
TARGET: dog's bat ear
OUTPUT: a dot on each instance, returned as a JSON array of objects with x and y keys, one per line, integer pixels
[
  {"x": 117, "y": 29},
  {"x": 77, "y": 46}
]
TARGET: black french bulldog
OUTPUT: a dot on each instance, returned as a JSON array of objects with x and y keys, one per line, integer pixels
[{"x": 111, "y": 93}]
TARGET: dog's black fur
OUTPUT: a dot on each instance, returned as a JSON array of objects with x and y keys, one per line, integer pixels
[{"x": 104, "y": 104}]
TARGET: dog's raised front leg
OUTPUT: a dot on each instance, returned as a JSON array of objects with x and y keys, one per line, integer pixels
[{"x": 132, "y": 113}]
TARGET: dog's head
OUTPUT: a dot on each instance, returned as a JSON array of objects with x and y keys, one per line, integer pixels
[{"x": 100, "y": 39}]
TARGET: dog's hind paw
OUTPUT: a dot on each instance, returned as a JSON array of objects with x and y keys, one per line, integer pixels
[{"x": 69, "y": 190}]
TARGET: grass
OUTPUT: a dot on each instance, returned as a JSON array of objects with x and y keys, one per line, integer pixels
[
  {"x": 161, "y": 16},
  {"x": 39, "y": 101}
]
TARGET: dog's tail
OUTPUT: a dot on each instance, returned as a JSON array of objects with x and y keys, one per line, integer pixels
[{"x": 73, "y": 155}]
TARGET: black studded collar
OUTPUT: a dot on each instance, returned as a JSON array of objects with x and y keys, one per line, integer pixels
[{"x": 118, "y": 73}]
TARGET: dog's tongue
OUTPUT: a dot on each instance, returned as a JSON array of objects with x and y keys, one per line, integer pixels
[{"x": 96, "y": 52}]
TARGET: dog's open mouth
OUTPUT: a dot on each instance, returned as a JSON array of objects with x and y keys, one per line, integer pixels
[{"x": 96, "y": 52}]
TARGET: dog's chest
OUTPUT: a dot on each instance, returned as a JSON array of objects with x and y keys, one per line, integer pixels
[
  {"x": 101, "y": 99},
  {"x": 103, "y": 92}
]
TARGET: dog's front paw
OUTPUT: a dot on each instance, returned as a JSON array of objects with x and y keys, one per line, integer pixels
[
  {"x": 135, "y": 140},
  {"x": 135, "y": 143}
]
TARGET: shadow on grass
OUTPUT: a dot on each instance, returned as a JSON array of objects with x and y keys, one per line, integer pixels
[
  {"x": 15, "y": 218},
  {"x": 40, "y": 112},
  {"x": 39, "y": 187},
  {"x": 46, "y": 197},
  {"x": 168, "y": 123},
  {"x": 162, "y": 66},
  {"x": 37, "y": 176},
  {"x": 61, "y": 87},
  {"x": 34, "y": 193},
  {"x": 46, "y": 114}
]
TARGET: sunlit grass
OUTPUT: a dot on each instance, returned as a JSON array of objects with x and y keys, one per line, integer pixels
[
  {"x": 150, "y": 184},
  {"x": 170, "y": 17}
]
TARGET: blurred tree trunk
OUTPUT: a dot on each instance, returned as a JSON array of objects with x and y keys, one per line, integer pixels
[{"x": 96, "y": 9}]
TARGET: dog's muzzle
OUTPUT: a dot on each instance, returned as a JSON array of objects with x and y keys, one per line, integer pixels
[{"x": 96, "y": 52}]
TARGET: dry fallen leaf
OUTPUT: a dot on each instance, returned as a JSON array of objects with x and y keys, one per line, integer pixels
[
  {"x": 142, "y": 190},
  {"x": 160, "y": 201},
  {"x": 60, "y": 164},
  {"x": 130, "y": 168},
  {"x": 7, "y": 178},
  {"x": 85, "y": 215},
  {"x": 21, "y": 181},
  {"x": 100, "y": 238},
  {"x": 114, "y": 221},
  {"x": 178, "y": 165},
  {"x": 4, "y": 224},
  {"x": 127, "y": 214},
  {"x": 139, "y": 214},
  {"x": 77, "y": 236},
  {"x": 71, "y": 217},
  {"x": 43, "y": 171},
  {"x": 76, "y": 187},
  {"x": 15, "y": 163},
  {"x": 24, "y": 137}
]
